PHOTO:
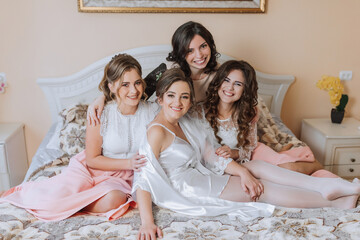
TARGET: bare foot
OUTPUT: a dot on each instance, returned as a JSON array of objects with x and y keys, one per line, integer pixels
[
  {"x": 338, "y": 187},
  {"x": 1, "y": 193}
]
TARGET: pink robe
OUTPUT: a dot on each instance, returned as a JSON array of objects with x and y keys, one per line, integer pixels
[{"x": 76, "y": 187}]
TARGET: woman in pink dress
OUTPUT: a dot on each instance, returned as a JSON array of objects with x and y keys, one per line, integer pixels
[{"x": 99, "y": 179}]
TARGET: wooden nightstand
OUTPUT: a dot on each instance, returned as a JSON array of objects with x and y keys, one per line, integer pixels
[
  {"x": 13, "y": 157},
  {"x": 336, "y": 146}
]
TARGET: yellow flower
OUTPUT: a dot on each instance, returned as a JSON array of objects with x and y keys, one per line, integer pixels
[{"x": 333, "y": 86}]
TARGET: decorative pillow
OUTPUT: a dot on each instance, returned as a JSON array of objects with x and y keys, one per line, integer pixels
[
  {"x": 270, "y": 134},
  {"x": 75, "y": 113},
  {"x": 72, "y": 134},
  {"x": 152, "y": 78},
  {"x": 54, "y": 142},
  {"x": 50, "y": 169}
]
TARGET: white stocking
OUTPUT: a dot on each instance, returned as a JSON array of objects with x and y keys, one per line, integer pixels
[
  {"x": 285, "y": 196},
  {"x": 330, "y": 188}
]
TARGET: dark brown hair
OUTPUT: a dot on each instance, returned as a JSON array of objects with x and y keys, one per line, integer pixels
[
  {"x": 243, "y": 109},
  {"x": 171, "y": 76},
  {"x": 181, "y": 41}
]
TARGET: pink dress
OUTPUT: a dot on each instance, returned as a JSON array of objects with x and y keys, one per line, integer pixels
[
  {"x": 259, "y": 151},
  {"x": 78, "y": 186}
]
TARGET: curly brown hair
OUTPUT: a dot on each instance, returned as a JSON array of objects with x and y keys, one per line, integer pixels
[
  {"x": 243, "y": 109},
  {"x": 181, "y": 41}
]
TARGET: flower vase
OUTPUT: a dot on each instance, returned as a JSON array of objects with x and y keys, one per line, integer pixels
[{"x": 337, "y": 116}]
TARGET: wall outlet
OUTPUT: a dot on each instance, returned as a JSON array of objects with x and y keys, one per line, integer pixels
[
  {"x": 2, "y": 77},
  {"x": 3, "y": 84},
  {"x": 345, "y": 75}
]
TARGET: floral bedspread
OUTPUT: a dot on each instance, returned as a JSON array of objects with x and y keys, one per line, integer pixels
[
  {"x": 285, "y": 223},
  {"x": 304, "y": 224}
]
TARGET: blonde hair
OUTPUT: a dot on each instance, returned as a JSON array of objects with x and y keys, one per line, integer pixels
[{"x": 115, "y": 70}]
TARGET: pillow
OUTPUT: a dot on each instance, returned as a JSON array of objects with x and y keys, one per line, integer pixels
[
  {"x": 72, "y": 134},
  {"x": 54, "y": 142},
  {"x": 152, "y": 78},
  {"x": 270, "y": 134},
  {"x": 66, "y": 115}
]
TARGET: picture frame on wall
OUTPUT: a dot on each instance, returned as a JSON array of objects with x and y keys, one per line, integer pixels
[{"x": 172, "y": 6}]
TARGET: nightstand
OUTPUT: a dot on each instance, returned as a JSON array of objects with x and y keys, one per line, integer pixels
[
  {"x": 336, "y": 146},
  {"x": 13, "y": 157}
]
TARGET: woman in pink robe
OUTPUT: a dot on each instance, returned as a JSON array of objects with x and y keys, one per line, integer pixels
[{"x": 99, "y": 179}]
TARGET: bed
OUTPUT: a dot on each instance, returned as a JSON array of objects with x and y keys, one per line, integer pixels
[{"x": 68, "y": 97}]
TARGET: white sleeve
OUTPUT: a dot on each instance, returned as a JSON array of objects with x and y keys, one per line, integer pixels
[
  {"x": 208, "y": 146},
  {"x": 213, "y": 162},
  {"x": 245, "y": 153}
]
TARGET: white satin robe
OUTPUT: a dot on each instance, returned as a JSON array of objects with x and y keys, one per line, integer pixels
[{"x": 179, "y": 181}]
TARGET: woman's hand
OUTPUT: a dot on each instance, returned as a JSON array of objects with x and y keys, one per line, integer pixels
[
  {"x": 137, "y": 162},
  {"x": 149, "y": 231},
  {"x": 251, "y": 185},
  {"x": 227, "y": 152},
  {"x": 94, "y": 110}
]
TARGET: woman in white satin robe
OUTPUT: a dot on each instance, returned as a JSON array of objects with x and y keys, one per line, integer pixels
[{"x": 184, "y": 174}]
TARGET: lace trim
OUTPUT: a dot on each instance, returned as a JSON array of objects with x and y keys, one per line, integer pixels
[
  {"x": 112, "y": 113},
  {"x": 245, "y": 159},
  {"x": 226, "y": 124},
  {"x": 228, "y": 132},
  {"x": 104, "y": 119},
  {"x": 218, "y": 166}
]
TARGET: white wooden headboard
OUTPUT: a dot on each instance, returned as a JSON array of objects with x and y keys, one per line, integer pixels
[{"x": 82, "y": 87}]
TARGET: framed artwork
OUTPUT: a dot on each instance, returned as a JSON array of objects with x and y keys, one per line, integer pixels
[{"x": 172, "y": 6}]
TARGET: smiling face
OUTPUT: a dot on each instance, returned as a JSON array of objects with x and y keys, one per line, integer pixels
[
  {"x": 129, "y": 89},
  {"x": 199, "y": 53},
  {"x": 176, "y": 101},
  {"x": 232, "y": 87}
]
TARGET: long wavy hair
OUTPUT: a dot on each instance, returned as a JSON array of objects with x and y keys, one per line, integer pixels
[
  {"x": 243, "y": 110},
  {"x": 181, "y": 41},
  {"x": 115, "y": 70}
]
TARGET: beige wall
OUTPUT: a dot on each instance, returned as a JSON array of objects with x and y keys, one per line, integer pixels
[{"x": 49, "y": 38}]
